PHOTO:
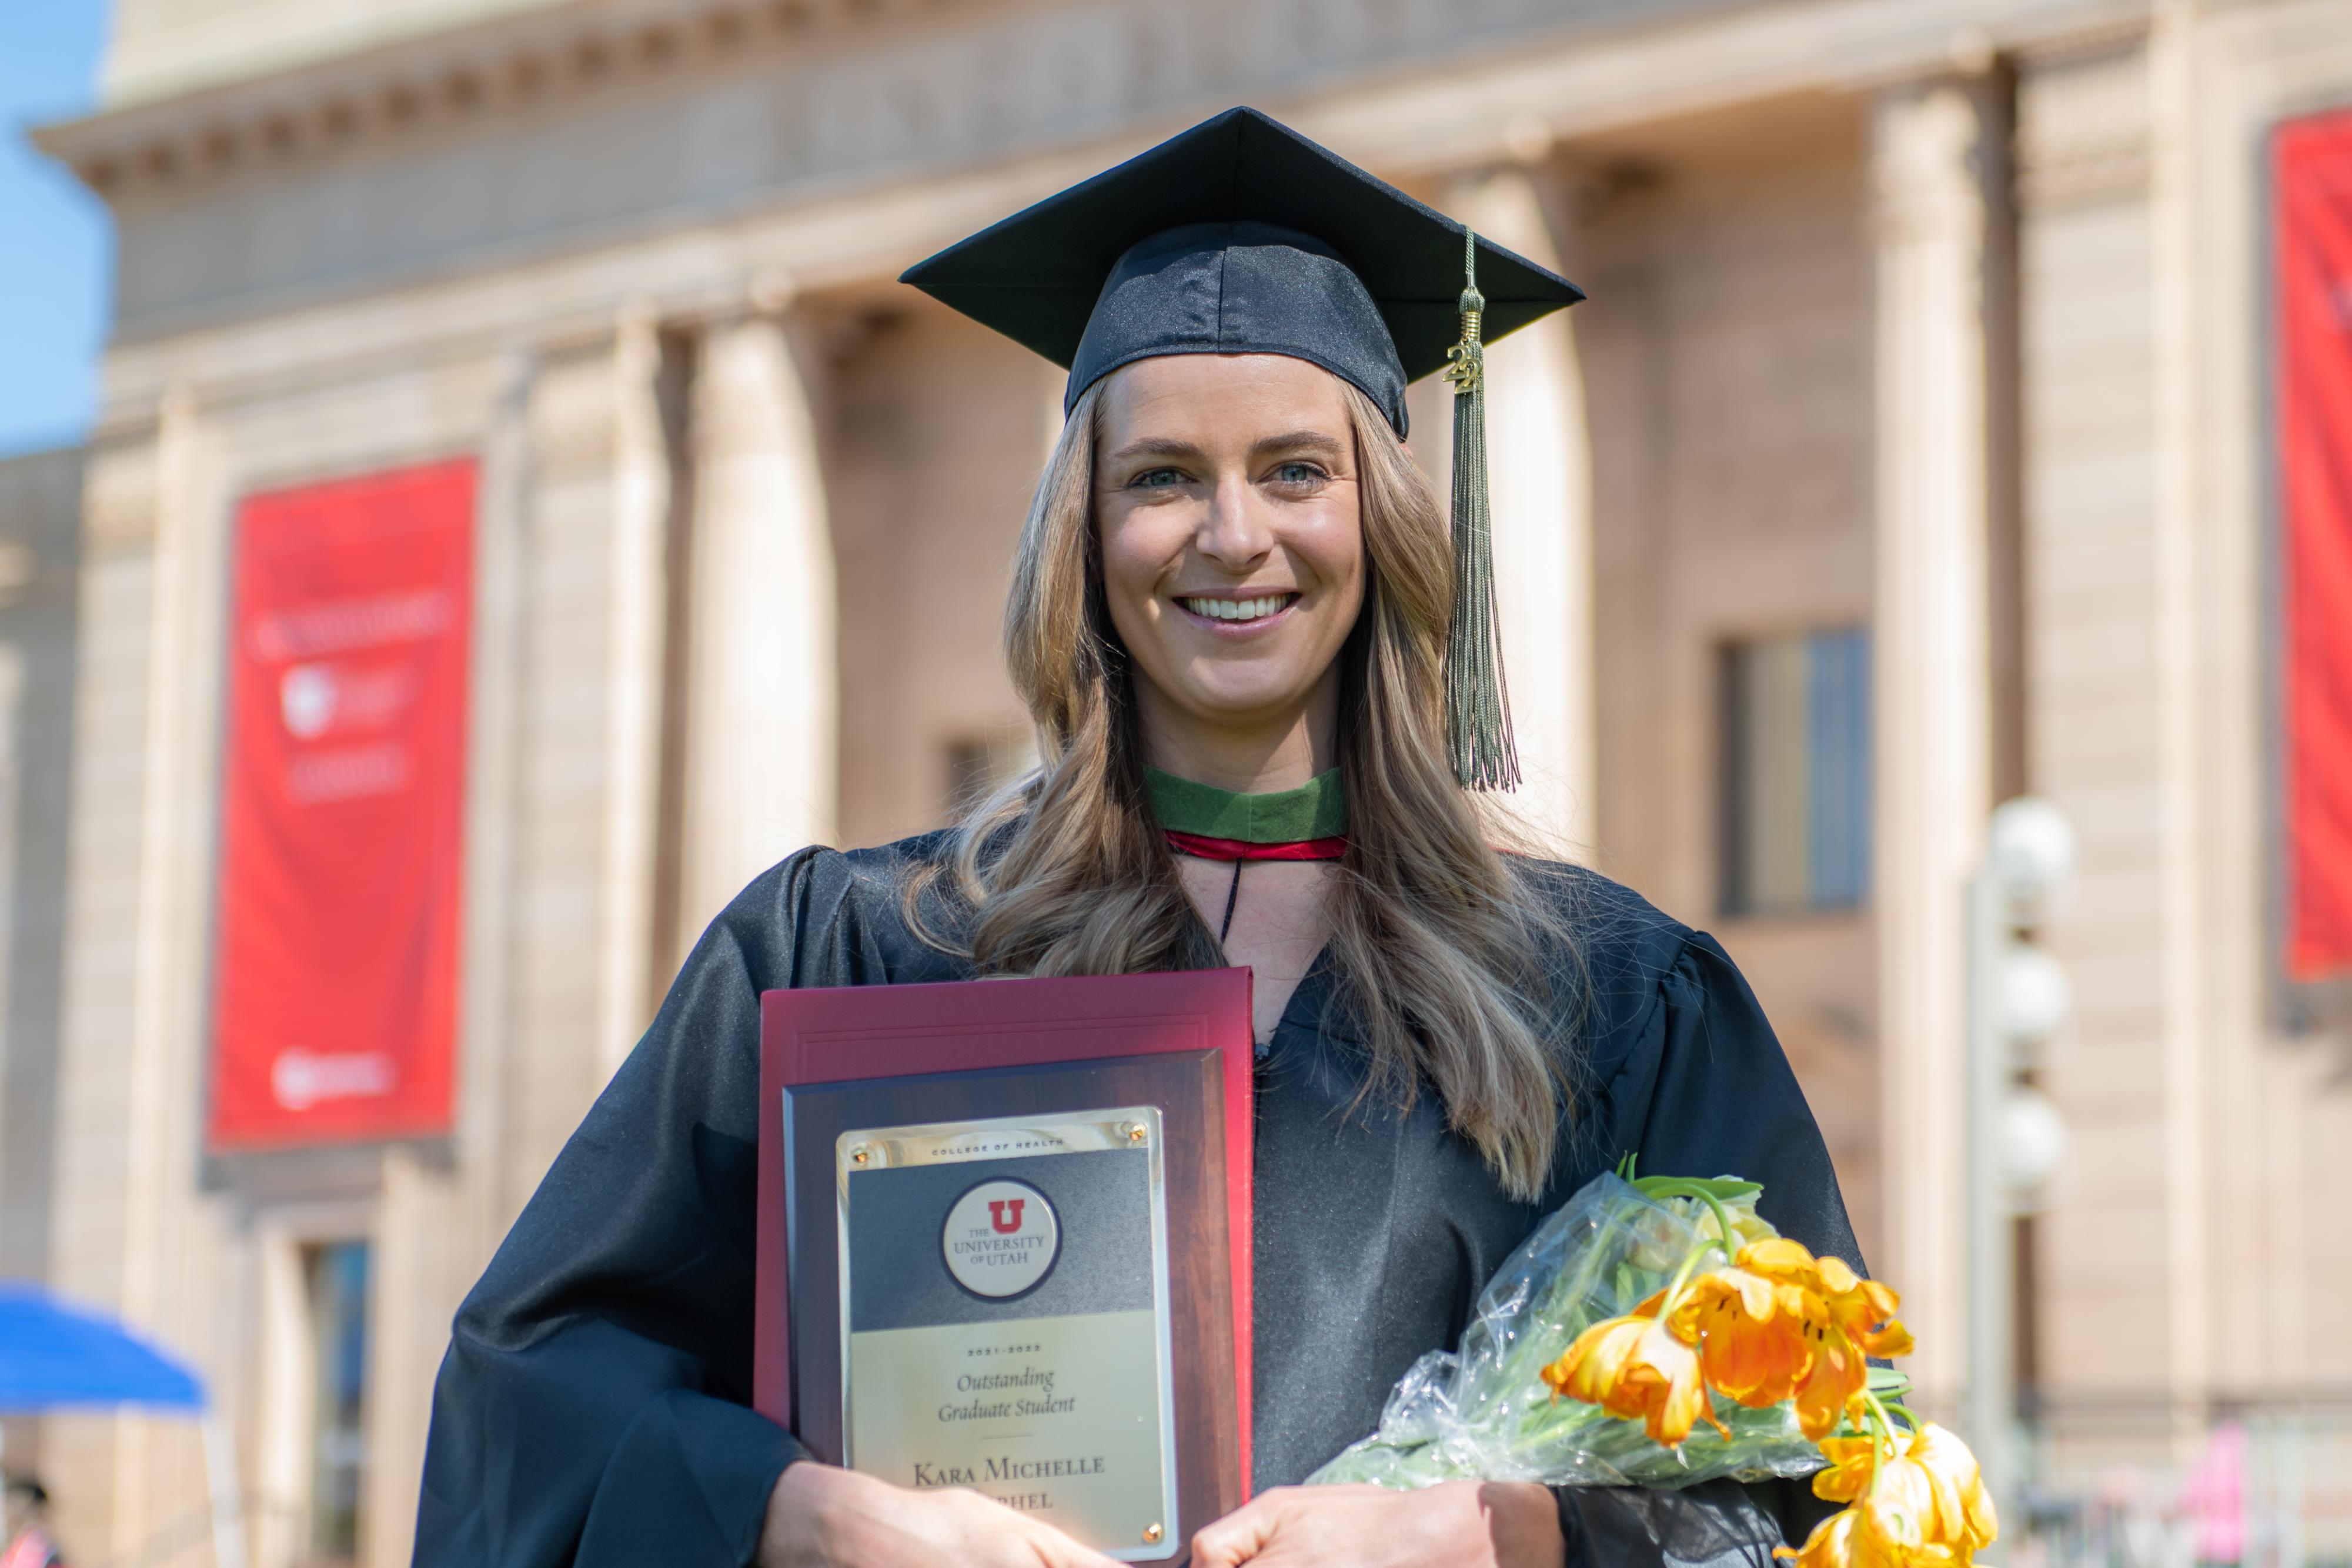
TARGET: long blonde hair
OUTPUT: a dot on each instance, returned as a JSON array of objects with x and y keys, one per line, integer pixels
[{"x": 1455, "y": 964}]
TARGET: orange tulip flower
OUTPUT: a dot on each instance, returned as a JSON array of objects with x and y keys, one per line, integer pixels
[
  {"x": 1591, "y": 1367},
  {"x": 1635, "y": 1368},
  {"x": 1916, "y": 1502},
  {"x": 1964, "y": 1510},
  {"x": 1750, "y": 1347}
]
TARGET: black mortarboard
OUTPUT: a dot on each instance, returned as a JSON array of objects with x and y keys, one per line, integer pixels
[{"x": 1241, "y": 236}]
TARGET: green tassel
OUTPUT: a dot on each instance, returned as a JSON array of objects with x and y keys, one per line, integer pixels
[{"x": 1477, "y": 702}]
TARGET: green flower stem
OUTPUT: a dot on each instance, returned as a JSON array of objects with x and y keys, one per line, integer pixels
[{"x": 1881, "y": 1419}]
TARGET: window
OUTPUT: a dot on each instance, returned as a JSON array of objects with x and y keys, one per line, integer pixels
[
  {"x": 335, "y": 1278},
  {"x": 1796, "y": 773}
]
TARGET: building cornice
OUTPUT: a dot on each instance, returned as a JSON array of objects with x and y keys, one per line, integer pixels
[{"x": 564, "y": 55}]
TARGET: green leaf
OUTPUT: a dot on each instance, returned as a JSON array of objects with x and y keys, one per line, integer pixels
[
  {"x": 1723, "y": 1189},
  {"x": 1888, "y": 1383}
]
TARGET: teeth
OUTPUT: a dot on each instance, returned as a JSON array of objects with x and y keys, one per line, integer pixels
[{"x": 1236, "y": 609}]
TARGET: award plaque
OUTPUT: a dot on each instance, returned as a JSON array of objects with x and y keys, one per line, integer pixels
[{"x": 1019, "y": 1277}]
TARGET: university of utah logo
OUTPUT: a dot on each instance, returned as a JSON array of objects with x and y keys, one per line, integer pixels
[{"x": 1000, "y": 1238}]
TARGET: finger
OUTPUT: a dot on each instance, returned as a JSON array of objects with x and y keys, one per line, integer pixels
[{"x": 1236, "y": 1538}]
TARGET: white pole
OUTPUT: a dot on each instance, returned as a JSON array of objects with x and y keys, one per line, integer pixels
[
  {"x": 227, "y": 1496},
  {"x": 2292, "y": 1427},
  {"x": 1991, "y": 1289}
]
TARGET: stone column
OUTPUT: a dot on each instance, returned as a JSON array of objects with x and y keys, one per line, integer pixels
[
  {"x": 1540, "y": 470},
  {"x": 1933, "y": 678},
  {"x": 495, "y": 842},
  {"x": 761, "y": 725},
  {"x": 2134, "y": 575},
  {"x": 2185, "y": 702},
  {"x": 636, "y": 610},
  {"x": 126, "y": 1235}
]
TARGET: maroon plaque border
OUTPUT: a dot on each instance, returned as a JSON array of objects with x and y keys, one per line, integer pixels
[{"x": 1187, "y": 1087}]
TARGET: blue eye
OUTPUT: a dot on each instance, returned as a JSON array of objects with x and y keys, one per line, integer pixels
[
  {"x": 1298, "y": 474},
  {"x": 1156, "y": 479}
]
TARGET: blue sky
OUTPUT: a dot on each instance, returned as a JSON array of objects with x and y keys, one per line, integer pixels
[{"x": 57, "y": 247}]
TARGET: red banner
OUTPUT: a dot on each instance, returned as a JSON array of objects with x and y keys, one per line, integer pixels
[
  {"x": 2312, "y": 178},
  {"x": 342, "y": 810}
]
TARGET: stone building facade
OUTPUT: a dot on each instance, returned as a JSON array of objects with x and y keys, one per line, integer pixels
[
  {"x": 1925, "y": 367},
  {"x": 40, "y": 535}
]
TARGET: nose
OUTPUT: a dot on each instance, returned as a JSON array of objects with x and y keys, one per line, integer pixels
[{"x": 1236, "y": 533}]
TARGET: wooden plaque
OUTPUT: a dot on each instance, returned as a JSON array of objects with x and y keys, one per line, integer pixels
[{"x": 901, "y": 1233}]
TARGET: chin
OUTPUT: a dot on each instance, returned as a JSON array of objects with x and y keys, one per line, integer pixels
[{"x": 1243, "y": 710}]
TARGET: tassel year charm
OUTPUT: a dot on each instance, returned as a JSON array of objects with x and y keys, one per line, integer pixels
[{"x": 1477, "y": 702}]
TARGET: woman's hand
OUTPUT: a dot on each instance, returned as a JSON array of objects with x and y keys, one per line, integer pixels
[
  {"x": 823, "y": 1517},
  {"x": 1458, "y": 1525}
]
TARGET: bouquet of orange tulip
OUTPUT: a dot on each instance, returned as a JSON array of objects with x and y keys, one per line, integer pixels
[{"x": 1656, "y": 1332}]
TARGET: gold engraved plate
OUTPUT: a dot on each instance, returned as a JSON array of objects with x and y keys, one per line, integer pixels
[{"x": 1005, "y": 1320}]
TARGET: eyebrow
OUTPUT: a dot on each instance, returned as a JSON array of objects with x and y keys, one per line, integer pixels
[
  {"x": 1154, "y": 446},
  {"x": 1298, "y": 441}
]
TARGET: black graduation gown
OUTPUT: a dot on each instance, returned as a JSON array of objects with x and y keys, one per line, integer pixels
[{"x": 593, "y": 1408}]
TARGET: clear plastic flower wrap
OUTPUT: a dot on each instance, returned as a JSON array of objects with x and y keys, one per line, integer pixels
[{"x": 1482, "y": 1410}]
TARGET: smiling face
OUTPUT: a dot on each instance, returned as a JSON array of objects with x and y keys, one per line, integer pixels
[{"x": 1227, "y": 503}]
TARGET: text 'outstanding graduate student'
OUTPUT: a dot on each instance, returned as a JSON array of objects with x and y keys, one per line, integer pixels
[{"x": 1262, "y": 672}]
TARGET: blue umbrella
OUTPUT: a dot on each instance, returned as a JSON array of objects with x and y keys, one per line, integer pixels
[{"x": 53, "y": 1356}]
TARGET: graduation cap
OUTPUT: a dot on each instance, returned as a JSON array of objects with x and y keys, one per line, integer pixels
[{"x": 1241, "y": 236}]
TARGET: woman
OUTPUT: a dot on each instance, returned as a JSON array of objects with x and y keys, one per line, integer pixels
[{"x": 1230, "y": 619}]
